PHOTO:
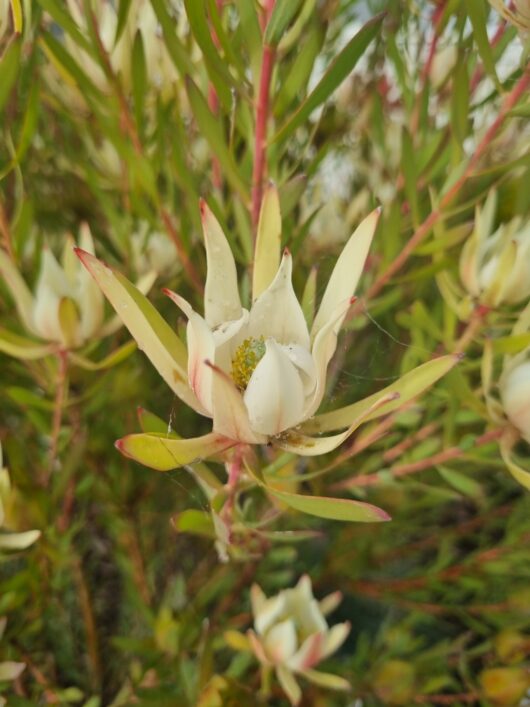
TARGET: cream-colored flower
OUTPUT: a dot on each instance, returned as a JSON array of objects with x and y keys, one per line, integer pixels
[
  {"x": 515, "y": 394},
  {"x": 292, "y": 636},
  {"x": 9, "y": 669},
  {"x": 259, "y": 373},
  {"x": 495, "y": 266},
  {"x": 276, "y": 365},
  {"x": 67, "y": 307},
  {"x": 11, "y": 540},
  {"x": 443, "y": 63}
]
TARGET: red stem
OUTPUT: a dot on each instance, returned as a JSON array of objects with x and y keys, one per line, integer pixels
[
  {"x": 262, "y": 114},
  {"x": 420, "y": 465},
  {"x": 424, "y": 229}
]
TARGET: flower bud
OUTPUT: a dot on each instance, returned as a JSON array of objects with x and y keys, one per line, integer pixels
[
  {"x": 68, "y": 306},
  {"x": 495, "y": 266},
  {"x": 515, "y": 396},
  {"x": 443, "y": 63}
]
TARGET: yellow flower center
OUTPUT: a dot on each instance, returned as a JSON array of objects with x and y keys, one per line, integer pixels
[{"x": 246, "y": 358}]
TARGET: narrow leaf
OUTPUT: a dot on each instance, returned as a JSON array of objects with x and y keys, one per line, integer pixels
[
  {"x": 164, "y": 452},
  {"x": 339, "y": 69}
]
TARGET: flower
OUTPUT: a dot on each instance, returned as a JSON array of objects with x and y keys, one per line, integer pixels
[
  {"x": 292, "y": 636},
  {"x": 67, "y": 308},
  {"x": 8, "y": 540},
  {"x": 515, "y": 395},
  {"x": 259, "y": 373},
  {"x": 277, "y": 366},
  {"x": 495, "y": 267}
]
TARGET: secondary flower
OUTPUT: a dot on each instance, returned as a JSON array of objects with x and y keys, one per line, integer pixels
[
  {"x": 259, "y": 373},
  {"x": 67, "y": 307},
  {"x": 515, "y": 395},
  {"x": 11, "y": 540},
  {"x": 495, "y": 265},
  {"x": 292, "y": 636}
]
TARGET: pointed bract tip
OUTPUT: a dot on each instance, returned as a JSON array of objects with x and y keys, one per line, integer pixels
[
  {"x": 203, "y": 206},
  {"x": 119, "y": 445},
  {"x": 394, "y": 396},
  {"x": 81, "y": 254},
  {"x": 286, "y": 252},
  {"x": 207, "y": 362},
  {"x": 378, "y": 210},
  {"x": 353, "y": 299},
  {"x": 459, "y": 356},
  {"x": 383, "y": 515},
  {"x": 166, "y": 291}
]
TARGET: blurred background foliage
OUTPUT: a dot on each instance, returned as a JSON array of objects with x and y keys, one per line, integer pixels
[{"x": 121, "y": 115}]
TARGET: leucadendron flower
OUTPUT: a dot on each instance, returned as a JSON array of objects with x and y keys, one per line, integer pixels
[
  {"x": 66, "y": 310},
  {"x": 291, "y": 636},
  {"x": 10, "y": 540},
  {"x": 67, "y": 306},
  {"x": 259, "y": 373},
  {"x": 495, "y": 265}
]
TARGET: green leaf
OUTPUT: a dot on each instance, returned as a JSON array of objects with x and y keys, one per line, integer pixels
[
  {"x": 153, "y": 335},
  {"x": 194, "y": 522},
  {"x": 476, "y": 10},
  {"x": 215, "y": 64},
  {"x": 149, "y": 422},
  {"x": 460, "y": 103},
  {"x": 123, "y": 9},
  {"x": 164, "y": 452},
  {"x": 212, "y": 129},
  {"x": 410, "y": 174},
  {"x": 9, "y": 65},
  {"x": 339, "y": 69},
  {"x": 18, "y": 19},
  {"x": 522, "y": 476},
  {"x": 109, "y": 361},
  {"x": 408, "y": 386},
  {"x": 282, "y": 15},
  {"x": 325, "y": 507},
  {"x": 139, "y": 80},
  {"x": 460, "y": 482},
  {"x": 22, "y": 348}
]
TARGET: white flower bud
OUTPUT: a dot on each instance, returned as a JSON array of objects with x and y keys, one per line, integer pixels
[
  {"x": 515, "y": 396},
  {"x": 443, "y": 63},
  {"x": 68, "y": 305},
  {"x": 495, "y": 267}
]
